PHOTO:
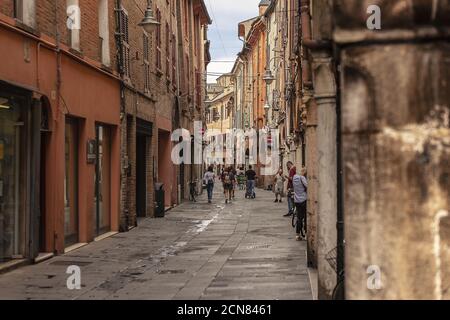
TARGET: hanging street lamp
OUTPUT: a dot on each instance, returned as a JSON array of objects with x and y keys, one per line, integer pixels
[
  {"x": 149, "y": 23},
  {"x": 268, "y": 77}
]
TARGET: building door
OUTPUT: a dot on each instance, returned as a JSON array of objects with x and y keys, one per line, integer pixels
[
  {"x": 102, "y": 215},
  {"x": 71, "y": 223},
  {"x": 141, "y": 175},
  {"x": 42, "y": 218},
  {"x": 13, "y": 176}
]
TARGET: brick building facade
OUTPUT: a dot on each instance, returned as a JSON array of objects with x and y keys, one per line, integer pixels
[
  {"x": 88, "y": 104},
  {"x": 158, "y": 70},
  {"x": 60, "y": 122}
]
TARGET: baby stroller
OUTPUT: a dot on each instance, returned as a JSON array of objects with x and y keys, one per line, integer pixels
[
  {"x": 241, "y": 179},
  {"x": 250, "y": 190}
]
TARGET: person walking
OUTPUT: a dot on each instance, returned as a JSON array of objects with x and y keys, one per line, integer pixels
[
  {"x": 300, "y": 185},
  {"x": 278, "y": 189},
  {"x": 251, "y": 176},
  {"x": 227, "y": 184},
  {"x": 292, "y": 171},
  {"x": 233, "y": 180},
  {"x": 209, "y": 179}
]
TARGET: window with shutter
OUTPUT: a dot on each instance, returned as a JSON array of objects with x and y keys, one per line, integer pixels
[
  {"x": 168, "y": 69},
  {"x": 158, "y": 41},
  {"x": 174, "y": 61},
  {"x": 188, "y": 75},
  {"x": 146, "y": 54},
  {"x": 198, "y": 88},
  {"x": 123, "y": 27}
]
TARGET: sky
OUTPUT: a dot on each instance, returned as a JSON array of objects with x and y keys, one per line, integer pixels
[{"x": 223, "y": 32}]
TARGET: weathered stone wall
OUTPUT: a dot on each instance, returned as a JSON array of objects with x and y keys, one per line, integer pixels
[
  {"x": 396, "y": 153},
  {"x": 396, "y": 149}
]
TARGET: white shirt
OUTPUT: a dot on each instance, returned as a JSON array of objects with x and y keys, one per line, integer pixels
[
  {"x": 300, "y": 185},
  {"x": 209, "y": 176}
]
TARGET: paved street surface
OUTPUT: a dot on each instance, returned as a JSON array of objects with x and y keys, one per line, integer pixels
[{"x": 243, "y": 250}]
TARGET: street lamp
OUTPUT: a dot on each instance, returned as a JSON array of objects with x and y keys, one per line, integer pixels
[
  {"x": 149, "y": 23},
  {"x": 268, "y": 77}
]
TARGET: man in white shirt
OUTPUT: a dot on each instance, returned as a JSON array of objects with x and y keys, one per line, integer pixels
[
  {"x": 209, "y": 181},
  {"x": 300, "y": 185}
]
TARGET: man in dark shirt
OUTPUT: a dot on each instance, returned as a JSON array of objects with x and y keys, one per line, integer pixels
[{"x": 251, "y": 175}]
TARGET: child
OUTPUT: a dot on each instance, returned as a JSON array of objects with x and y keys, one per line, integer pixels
[{"x": 279, "y": 185}]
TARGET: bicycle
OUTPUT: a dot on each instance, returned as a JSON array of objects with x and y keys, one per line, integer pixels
[
  {"x": 295, "y": 220},
  {"x": 339, "y": 289}
]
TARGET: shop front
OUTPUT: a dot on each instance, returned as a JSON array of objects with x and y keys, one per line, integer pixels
[{"x": 19, "y": 173}]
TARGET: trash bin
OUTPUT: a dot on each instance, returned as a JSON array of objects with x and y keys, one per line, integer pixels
[{"x": 159, "y": 200}]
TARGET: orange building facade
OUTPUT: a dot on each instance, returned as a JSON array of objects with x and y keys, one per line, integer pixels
[
  {"x": 253, "y": 55},
  {"x": 59, "y": 134}
]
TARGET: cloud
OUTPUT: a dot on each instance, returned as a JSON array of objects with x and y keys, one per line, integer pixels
[
  {"x": 217, "y": 68},
  {"x": 223, "y": 32}
]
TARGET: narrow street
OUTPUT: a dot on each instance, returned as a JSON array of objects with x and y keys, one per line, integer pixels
[{"x": 243, "y": 250}]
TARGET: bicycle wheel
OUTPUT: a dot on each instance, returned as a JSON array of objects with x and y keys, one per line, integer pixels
[{"x": 339, "y": 291}]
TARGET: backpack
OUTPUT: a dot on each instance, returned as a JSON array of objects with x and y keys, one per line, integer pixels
[
  {"x": 226, "y": 178},
  {"x": 210, "y": 179},
  {"x": 306, "y": 189}
]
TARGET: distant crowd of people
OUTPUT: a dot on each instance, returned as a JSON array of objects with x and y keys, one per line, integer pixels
[
  {"x": 297, "y": 189},
  {"x": 231, "y": 179}
]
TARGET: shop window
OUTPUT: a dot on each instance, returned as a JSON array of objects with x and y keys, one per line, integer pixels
[
  {"x": 13, "y": 173},
  {"x": 102, "y": 180}
]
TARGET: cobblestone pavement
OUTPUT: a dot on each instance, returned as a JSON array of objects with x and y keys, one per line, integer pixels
[{"x": 242, "y": 250}]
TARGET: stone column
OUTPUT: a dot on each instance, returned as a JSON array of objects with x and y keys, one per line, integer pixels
[
  {"x": 313, "y": 176},
  {"x": 395, "y": 88},
  {"x": 325, "y": 97}
]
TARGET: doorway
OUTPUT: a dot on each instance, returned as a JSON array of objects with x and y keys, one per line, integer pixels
[
  {"x": 165, "y": 169},
  {"x": 144, "y": 132},
  {"x": 102, "y": 180},
  {"x": 71, "y": 224},
  {"x": 141, "y": 175},
  {"x": 42, "y": 217}
]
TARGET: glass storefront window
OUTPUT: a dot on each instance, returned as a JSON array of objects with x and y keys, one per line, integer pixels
[
  {"x": 102, "y": 216},
  {"x": 12, "y": 174}
]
